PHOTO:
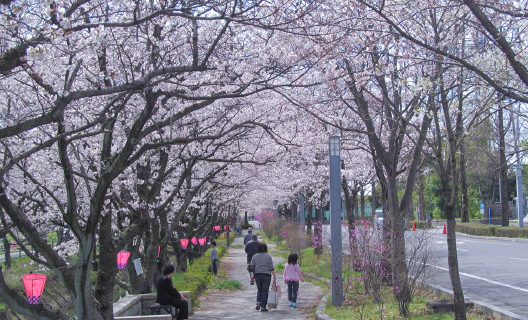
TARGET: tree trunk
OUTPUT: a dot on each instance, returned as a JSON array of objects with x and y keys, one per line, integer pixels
[
  {"x": 85, "y": 307},
  {"x": 373, "y": 199},
  {"x": 7, "y": 253},
  {"x": 464, "y": 205},
  {"x": 350, "y": 200},
  {"x": 107, "y": 271},
  {"x": 503, "y": 165},
  {"x": 309, "y": 220},
  {"x": 362, "y": 199},
  {"x": 399, "y": 266},
  {"x": 421, "y": 197},
  {"x": 318, "y": 231},
  {"x": 294, "y": 216}
]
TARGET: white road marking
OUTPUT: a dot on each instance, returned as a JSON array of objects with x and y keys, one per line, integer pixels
[
  {"x": 518, "y": 258},
  {"x": 483, "y": 279},
  {"x": 487, "y": 242}
]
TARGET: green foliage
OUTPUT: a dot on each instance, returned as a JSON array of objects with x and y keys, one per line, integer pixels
[
  {"x": 245, "y": 225},
  {"x": 369, "y": 309},
  {"x": 226, "y": 285},
  {"x": 198, "y": 275},
  {"x": 479, "y": 229}
]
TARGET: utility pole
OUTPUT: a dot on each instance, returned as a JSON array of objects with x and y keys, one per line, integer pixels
[{"x": 335, "y": 221}]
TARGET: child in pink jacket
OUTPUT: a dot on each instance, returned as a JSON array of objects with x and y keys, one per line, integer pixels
[{"x": 292, "y": 276}]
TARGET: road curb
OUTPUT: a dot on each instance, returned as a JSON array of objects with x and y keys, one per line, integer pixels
[
  {"x": 485, "y": 308},
  {"x": 319, "y": 313}
]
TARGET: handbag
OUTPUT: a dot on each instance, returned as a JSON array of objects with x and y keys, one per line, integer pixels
[
  {"x": 273, "y": 297},
  {"x": 250, "y": 268}
]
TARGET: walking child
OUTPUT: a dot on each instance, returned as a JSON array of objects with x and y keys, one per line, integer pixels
[
  {"x": 292, "y": 276},
  {"x": 214, "y": 258}
]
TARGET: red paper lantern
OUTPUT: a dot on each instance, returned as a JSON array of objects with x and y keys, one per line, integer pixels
[
  {"x": 202, "y": 241},
  {"x": 194, "y": 240},
  {"x": 122, "y": 259},
  {"x": 34, "y": 285},
  {"x": 184, "y": 243}
]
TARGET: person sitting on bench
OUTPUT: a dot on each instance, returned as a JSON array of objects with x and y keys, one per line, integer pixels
[{"x": 168, "y": 295}]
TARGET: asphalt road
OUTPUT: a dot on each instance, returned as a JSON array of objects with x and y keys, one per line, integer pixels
[{"x": 491, "y": 271}]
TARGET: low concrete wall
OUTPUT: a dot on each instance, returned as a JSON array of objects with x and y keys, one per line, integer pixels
[
  {"x": 154, "y": 317},
  {"x": 139, "y": 305}
]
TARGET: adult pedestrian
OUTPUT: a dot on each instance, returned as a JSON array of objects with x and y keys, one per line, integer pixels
[
  {"x": 168, "y": 295},
  {"x": 262, "y": 265},
  {"x": 247, "y": 238},
  {"x": 252, "y": 249}
]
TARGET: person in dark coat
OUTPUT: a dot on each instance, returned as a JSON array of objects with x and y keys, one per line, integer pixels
[
  {"x": 247, "y": 238},
  {"x": 251, "y": 249},
  {"x": 168, "y": 295}
]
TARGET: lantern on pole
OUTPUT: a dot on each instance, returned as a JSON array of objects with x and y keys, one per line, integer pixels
[
  {"x": 194, "y": 240},
  {"x": 184, "y": 243},
  {"x": 34, "y": 285},
  {"x": 122, "y": 259},
  {"x": 202, "y": 241},
  {"x": 217, "y": 228}
]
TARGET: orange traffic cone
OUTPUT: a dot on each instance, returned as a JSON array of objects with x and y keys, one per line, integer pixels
[
  {"x": 445, "y": 229},
  {"x": 414, "y": 226}
]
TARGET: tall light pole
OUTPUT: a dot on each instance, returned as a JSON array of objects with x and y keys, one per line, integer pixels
[
  {"x": 518, "y": 173},
  {"x": 276, "y": 208},
  {"x": 335, "y": 221}
]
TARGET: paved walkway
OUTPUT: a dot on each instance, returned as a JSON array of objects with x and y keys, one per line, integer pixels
[{"x": 240, "y": 304}]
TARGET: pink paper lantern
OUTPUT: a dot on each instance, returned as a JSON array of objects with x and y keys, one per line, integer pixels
[
  {"x": 194, "y": 240},
  {"x": 217, "y": 228},
  {"x": 202, "y": 241},
  {"x": 159, "y": 250},
  {"x": 122, "y": 259},
  {"x": 34, "y": 285},
  {"x": 225, "y": 227},
  {"x": 184, "y": 243}
]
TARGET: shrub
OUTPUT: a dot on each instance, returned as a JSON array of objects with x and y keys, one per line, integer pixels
[
  {"x": 476, "y": 229},
  {"x": 198, "y": 275},
  {"x": 419, "y": 224}
]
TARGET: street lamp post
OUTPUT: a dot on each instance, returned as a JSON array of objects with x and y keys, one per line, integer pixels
[
  {"x": 276, "y": 208},
  {"x": 518, "y": 173},
  {"x": 335, "y": 221}
]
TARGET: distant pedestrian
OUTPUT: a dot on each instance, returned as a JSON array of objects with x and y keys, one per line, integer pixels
[
  {"x": 214, "y": 258},
  {"x": 251, "y": 249},
  {"x": 262, "y": 265},
  {"x": 247, "y": 238},
  {"x": 292, "y": 276}
]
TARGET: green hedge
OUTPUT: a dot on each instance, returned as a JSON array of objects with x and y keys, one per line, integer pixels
[
  {"x": 419, "y": 224},
  {"x": 479, "y": 229}
]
